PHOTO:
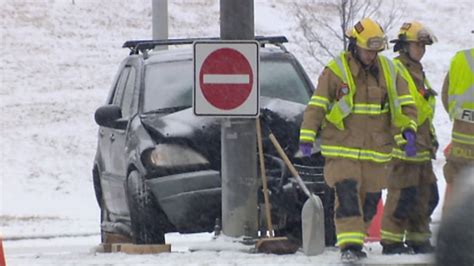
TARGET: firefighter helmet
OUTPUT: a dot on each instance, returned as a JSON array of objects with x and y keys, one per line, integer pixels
[
  {"x": 415, "y": 32},
  {"x": 368, "y": 34}
]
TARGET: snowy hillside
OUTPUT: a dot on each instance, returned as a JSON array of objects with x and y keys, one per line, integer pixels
[{"x": 57, "y": 63}]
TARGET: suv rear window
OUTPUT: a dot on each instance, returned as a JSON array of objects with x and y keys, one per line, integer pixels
[{"x": 170, "y": 84}]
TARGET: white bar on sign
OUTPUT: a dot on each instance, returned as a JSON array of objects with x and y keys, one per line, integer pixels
[{"x": 226, "y": 79}]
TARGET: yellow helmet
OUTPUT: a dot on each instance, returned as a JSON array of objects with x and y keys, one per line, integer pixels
[
  {"x": 415, "y": 32},
  {"x": 368, "y": 34}
]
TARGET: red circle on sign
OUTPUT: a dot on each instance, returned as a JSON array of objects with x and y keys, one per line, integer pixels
[{"x": 226, "y": 78}]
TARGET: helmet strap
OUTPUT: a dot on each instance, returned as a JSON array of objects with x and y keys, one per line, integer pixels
[
  {"x": 404, "y": 48},
  {"x": 352, "y": 45}
]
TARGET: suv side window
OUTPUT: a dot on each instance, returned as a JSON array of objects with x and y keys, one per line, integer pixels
[
  {"x": 118, "y": 91},
  {"x": 124, "y": 91},
  {"x": 127, "y": 109}
]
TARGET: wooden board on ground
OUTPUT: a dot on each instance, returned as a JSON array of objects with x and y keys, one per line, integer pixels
[
  {"x": 140, "y": 249},
  {"x": 276, "y": 245},
  {"x": 105, "y": 247}
]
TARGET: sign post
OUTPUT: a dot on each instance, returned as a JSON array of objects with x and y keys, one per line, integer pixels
[{"x": 226, "y": 84}]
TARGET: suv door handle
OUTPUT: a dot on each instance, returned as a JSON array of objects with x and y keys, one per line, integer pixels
[{"x": 112, "y": 137}]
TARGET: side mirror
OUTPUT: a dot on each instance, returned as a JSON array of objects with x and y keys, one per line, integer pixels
[{"x": 107, "y": 115}]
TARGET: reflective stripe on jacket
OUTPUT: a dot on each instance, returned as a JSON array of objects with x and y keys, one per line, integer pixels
[
  {"x": 458, "y": 100},
  {"x": 425, "y": 107},
  {"x": 342, "y": 108},
  {"x": 350, "y": 238},
  {"x": 366, "y": 133},
  {"x": 461, "y": 86},
  {"x": 413, "y": 73}
]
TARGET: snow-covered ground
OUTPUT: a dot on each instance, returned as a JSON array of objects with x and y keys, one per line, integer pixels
[{"x": 57, "y": 62}]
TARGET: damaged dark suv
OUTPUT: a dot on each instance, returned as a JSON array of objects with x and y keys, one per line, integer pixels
[{"x": 157, "y": 166}]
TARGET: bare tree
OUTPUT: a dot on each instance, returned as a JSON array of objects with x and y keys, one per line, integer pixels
[{"x": 325, "y": 22}]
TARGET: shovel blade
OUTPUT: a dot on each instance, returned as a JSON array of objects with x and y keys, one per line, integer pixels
[{"x": 312, "y": 216}]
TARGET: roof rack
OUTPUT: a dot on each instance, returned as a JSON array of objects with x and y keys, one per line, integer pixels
[{"x": 143, "y": 46}]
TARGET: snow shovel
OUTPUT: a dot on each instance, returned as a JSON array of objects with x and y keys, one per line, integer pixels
[
  {"x": 312, "y": 214},
  {"x": 271, "y": 244}
]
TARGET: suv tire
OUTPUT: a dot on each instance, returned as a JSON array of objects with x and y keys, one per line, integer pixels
[{"x": 148, "y": 222}]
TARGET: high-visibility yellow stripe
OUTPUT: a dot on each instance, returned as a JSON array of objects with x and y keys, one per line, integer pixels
[
  {"x": 345, "y": 234},
  {"x": 350, "y": 238},
  {"x": 308, "y": 131},
  {"x": 307, "y": 135},
  {"x": 306, "y": 139},
  {"x": 400, "y": 140},
  {"x": 417, "y": 237},
  {"x": 320, "y": 98},
  {"x": 319, "y": 102},
  {"x": 419, "y": 157},
  {"x": 386, "y": 235},
  {"x": 355, "y": 153},
  {"x": 406, "y": 100},
  {"x": 433, "y": 131},
  {"x": 424, "y": 106},
  {"x": 463, "y": 138},
  {"x": 461, "y": 83},
  {"x": 369, "y": 109},
  {"x": 350, "y": 241},
  {"x": 411, "y": 125}
]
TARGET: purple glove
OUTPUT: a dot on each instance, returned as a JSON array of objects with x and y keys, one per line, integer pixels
[
  {"x": 410, "y": 147},
  {"x": 306, "y": 149}
]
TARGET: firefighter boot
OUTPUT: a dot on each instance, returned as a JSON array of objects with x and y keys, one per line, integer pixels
[
  {"x": 352, "y": 253},
  {"x": 421, "y": 248},
  {"x": 396, "y": 248}
]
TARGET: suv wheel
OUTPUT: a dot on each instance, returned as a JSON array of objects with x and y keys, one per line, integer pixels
[{"x": 149, "y": 223}]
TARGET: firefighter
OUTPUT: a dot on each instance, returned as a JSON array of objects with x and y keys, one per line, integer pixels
[
  {"x": 358, "y": 98},
  {"x": 458, "y": 100},
  {"x": 412, "y": 189}
]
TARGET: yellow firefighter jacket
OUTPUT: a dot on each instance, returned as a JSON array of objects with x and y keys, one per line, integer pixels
[
  {"x": 366, "y": 134},
  {"x": 424, "y": 97},
  {"x": 458, "y": 100}
]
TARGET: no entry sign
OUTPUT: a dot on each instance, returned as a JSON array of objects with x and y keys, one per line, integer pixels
[{"x": 226, "y": 78}]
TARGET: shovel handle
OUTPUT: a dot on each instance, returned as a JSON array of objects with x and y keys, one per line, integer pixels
[
  {"x": 268, "y": 216},
  {"x": 290, "y": 165}
]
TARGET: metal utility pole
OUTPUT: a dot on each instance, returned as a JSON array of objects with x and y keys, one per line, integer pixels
[
  {"x": 238, "y": 138},
  {"x": 160, "y": 21}
]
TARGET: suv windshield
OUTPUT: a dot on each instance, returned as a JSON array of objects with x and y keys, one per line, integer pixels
[{"x": 170, "y": 84}]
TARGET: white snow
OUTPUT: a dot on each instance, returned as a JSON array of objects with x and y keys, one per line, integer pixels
[{"x": 58, "y": 60}]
